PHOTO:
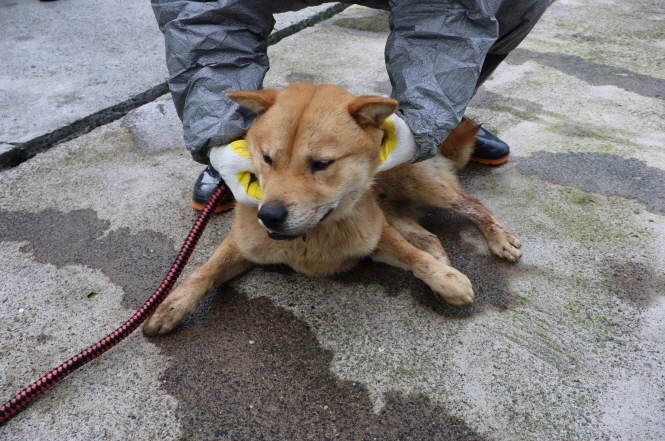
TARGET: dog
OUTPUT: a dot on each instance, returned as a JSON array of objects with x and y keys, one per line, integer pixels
[{"x": 315, "y": 152}]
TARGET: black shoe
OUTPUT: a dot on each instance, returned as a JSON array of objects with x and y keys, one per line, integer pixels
[
  {"x": 205, "y": 186},
  {"x": 489, "y": 149}
]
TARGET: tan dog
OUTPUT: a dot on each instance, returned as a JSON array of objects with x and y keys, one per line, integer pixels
[{"x": 315, "y": 152}]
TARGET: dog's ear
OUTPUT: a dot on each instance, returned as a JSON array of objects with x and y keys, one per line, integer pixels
[
  {"x": 371, "y": 110},
  {"x": 257, "y": 101}
]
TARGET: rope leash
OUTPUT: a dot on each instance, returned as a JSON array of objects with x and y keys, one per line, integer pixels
[{"x": 13, "y": 406}]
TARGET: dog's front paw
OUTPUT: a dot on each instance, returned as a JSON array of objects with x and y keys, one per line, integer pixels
[
  {"x": 161, "y": 322},
  {"x": 506, "y": 246},
  {"x": 167, "y": 317},
  {"x": 454, "y": 288}
]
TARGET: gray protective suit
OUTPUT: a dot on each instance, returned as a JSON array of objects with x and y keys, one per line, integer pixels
[{"x": 438, "y": 53}]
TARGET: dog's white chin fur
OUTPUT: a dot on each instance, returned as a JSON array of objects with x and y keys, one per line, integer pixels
[
  {"x": 330, "y": 212},
  {"x": 297, "y": 225}
]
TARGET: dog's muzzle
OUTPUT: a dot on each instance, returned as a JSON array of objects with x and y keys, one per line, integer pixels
[{"x": 273, "y": 217}]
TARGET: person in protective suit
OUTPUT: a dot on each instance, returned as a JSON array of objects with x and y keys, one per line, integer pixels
[{"x": 438, "y": 54}]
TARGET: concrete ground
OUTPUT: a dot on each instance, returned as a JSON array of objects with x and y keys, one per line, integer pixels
[
  {"x": 569, "y": 343},
  {"x": 71, "y": 66}
]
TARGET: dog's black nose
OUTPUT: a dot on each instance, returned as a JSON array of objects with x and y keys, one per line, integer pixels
[{"x": 273, "y": 215}]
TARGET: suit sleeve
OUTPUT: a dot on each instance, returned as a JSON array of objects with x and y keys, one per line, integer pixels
[
  {"x": 213, "y": 47},
  {"x": 433, "y": 56}
]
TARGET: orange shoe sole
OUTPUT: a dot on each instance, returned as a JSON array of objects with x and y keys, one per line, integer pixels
[
  {"x": 490, "y": 161},
  {"x": 219, "y": 209}
]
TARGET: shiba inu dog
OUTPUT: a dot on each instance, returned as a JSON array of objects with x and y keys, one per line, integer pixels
[{"x": 316, "y": 152}]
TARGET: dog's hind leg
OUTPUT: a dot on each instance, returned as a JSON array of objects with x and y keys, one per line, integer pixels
[
  {"x": 448, "y": 284},
  {"x": 408, "y": 226},
  {"x": 499, "y": 239},
  {"x": 432, "y": 183},
  {"x": 225, "y": 263},
  {"x": 426, "y": 185}
]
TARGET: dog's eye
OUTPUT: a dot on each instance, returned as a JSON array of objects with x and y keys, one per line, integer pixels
[
  {"x": 267, "y": 159},
  {"x": 320, "y": 165}
]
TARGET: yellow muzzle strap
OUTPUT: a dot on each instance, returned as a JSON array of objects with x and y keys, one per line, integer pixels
[
  {"x": 389, "y": 143},
  {"x": 247, "y": 179},
  {"x": 398, "y": 145}
]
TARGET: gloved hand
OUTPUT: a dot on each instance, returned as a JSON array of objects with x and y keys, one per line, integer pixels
[
  {"x": 399, "y": 144},
  {"x": 232, "y": 162}
]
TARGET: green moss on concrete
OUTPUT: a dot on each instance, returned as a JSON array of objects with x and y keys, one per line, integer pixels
[
  {"x": 404, "y": 371},
  {"x": 585, "y": 218},
  {"x": 377, "y": 22}
]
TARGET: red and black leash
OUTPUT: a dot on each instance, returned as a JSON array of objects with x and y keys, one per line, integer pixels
[{"x": 13, "y": 406}]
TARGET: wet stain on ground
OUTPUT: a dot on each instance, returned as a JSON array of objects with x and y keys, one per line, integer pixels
[
  {"x": 246, "y": 369},
  {"x": 136, "y": 262},
  {"x": 634, "y": 282},
  {"x": 488, "y": 273},
  {"x": 593, "y": 73},
  {"x": 241, "y": 368},
  {"x": 524, "y": 109},
  {"x": 601, "y": 173}
]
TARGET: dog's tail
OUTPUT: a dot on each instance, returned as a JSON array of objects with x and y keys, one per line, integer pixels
[{"x": 459, "y": 145}]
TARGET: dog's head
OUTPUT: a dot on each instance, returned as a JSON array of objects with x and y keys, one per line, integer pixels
[{"x": 315, "y": 151}]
